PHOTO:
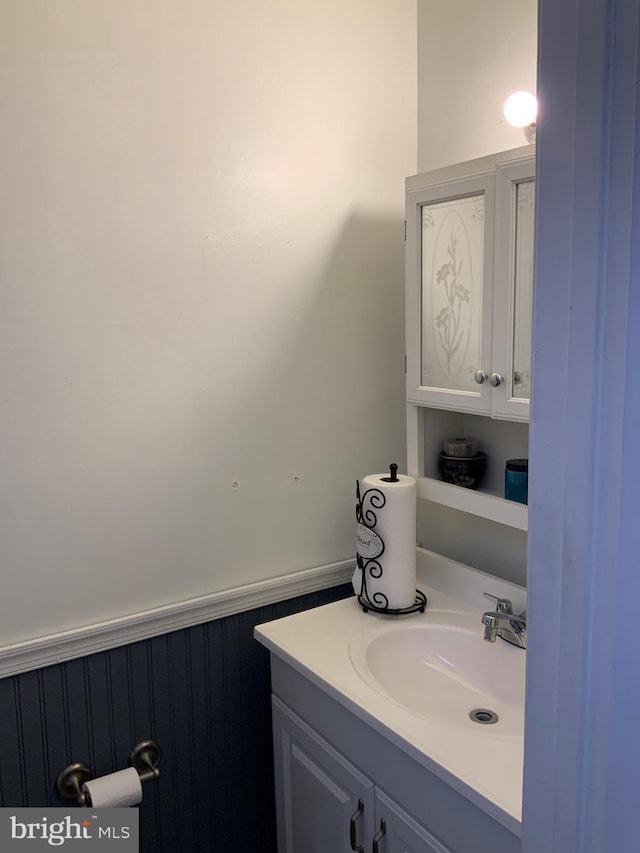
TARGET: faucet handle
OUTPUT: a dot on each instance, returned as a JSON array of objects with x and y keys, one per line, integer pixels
[{"x": 503, "y": 605}]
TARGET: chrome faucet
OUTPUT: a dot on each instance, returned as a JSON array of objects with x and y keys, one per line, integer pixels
[{"x": 504, "y": 623}]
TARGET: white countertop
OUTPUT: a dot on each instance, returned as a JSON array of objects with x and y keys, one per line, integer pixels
[{"x": 484, "y": 766}]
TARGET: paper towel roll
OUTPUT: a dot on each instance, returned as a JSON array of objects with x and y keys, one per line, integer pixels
[
  {"x": 395, "y": 524},
  {"x": 122, "y": 788}
]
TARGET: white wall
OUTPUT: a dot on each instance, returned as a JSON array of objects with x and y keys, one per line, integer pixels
[
  {"x": 471, "y": 57},
  {"x": 201, "y": 284}
]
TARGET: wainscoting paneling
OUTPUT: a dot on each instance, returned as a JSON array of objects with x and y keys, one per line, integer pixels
[{"x": 203, "y": 693}]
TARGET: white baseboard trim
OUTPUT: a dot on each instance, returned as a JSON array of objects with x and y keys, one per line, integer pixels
[{"x": 100, "y": 636}]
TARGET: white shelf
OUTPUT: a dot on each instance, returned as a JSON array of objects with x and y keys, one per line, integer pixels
[{"x": 483, "y": 504}]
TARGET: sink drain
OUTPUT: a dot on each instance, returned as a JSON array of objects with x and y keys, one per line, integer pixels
[{"x": 483, "y": 716}]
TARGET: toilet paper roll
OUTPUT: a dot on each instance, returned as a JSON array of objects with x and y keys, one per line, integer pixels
[
  {"x": 394, "y": 523},
  {"x": 122, "y": 788}
]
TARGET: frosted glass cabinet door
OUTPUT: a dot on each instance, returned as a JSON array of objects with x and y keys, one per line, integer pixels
[
  {"x": 523, "y": 289},
  {"x": 452, "y": 250},
  {"x": 513, "y": 287},
  {"x": 449, "y": 241}
]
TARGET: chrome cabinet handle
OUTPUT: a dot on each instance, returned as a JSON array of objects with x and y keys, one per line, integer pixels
[
  {"x": 353, "y": 832},
  {"x": 495, "y": 379},
  {"x": 376, "y": 840},
  {"x": 480, "y": 376}
]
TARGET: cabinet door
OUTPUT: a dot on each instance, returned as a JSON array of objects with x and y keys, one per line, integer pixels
[
  {"x": 449, "y": 282},
  {"x": 397, "y": 832},
  {"x": 513, "y": 288},
  {"x": 323, "y": 803}
]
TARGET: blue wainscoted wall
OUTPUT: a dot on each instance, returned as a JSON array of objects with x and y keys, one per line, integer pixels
[{"x": 202, "y": 693}]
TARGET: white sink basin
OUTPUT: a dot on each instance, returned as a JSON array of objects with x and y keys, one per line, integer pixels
[{"x": 438, "y": 666}]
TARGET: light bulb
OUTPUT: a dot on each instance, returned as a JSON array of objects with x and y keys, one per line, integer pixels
[{"x": 520, "y": 109}]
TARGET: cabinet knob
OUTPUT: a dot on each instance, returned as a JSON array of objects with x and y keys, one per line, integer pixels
[
  {"x": 495, "y": 379},
  {"x": 353, "y": 833},
  {"x": 480, "y": 376}
]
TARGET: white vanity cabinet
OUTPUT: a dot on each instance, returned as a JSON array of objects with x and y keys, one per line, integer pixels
[
  {"x": 397, "y": 832},
  {"x": 320, "y": 796},
  {"x": 469, "y": 273},
  {"x": 326, "y": 804},
  {"x": 341, "y": 786}
]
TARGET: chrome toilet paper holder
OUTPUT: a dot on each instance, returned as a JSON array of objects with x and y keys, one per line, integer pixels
[{"x": 145, "y": 757}]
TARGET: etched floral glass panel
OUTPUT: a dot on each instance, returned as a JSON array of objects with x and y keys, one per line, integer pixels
[
  {"x": 523, "y": 289},
  {"x": 452, "y": 259}
]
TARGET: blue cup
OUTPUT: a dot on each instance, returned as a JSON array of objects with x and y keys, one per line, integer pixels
[{"x": 516, "y": 480}]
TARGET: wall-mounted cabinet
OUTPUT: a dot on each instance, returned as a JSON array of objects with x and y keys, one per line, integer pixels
[
  {"x": 469, "y": 268},
  {"x": 469, "y": 271},
  {"x": 500, "y": 440}
]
